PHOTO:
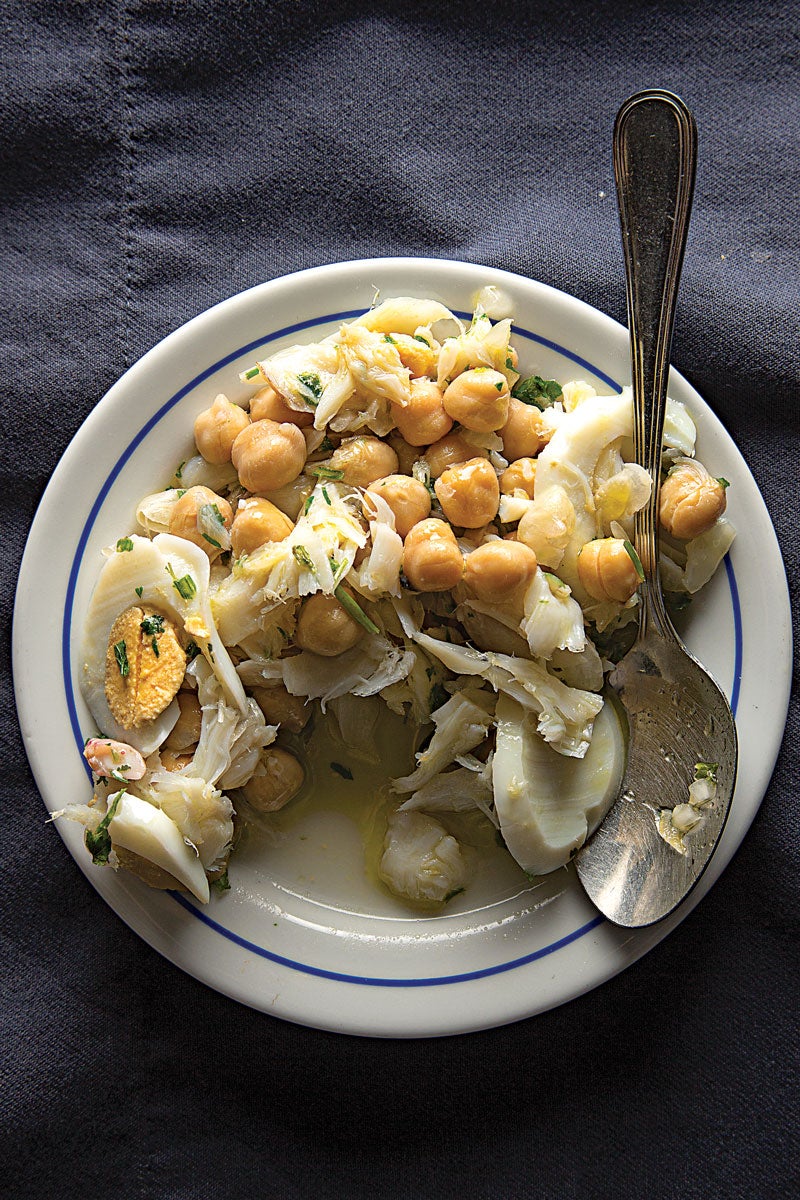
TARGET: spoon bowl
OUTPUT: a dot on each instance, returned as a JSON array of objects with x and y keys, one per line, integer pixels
[{"x": 677, "y": 715}]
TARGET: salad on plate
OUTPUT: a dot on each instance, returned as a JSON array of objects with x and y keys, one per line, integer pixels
[{"x": 393, "y": 532}]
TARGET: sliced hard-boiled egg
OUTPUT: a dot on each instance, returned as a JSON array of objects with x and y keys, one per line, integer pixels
[
  {"x": 147, "y": 831},
  {"x": 170, "y": 575},
  {"x": 548, "y": 804}
]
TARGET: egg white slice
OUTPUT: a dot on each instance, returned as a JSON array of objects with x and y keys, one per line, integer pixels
[
  {"x": 147, "y": 574},
  {"x": 548, "y": 804},
  {"x": 147, "y": 831}
]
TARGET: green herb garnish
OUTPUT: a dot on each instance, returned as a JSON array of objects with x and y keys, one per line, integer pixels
[
  {"x": 327, "y": 473},
  {"x": 387, "y": 337},
  {"x": 308, "y": 504},
  {"x": 311, "y": 387},
  {"x": 634, "y": 557},
  {"x": 304, "y": 558},
  {"x": 98, "y": 842},
  {"x": 139, "y": 591},
  {"x": 326, "y": 443},
  {"x": 419, "y": 338},
  {"x": 222, "y": 884},
  {"x": 121, "y": 655},
  {"x": 345, "y": 772},
  {"x": 354, "y": 609},
  {"x": 251, "y": 373},
  {"x": 725, "y": 483},
  {"x": 325, "y": 495},
  {"x": 124, "y": 544},
  {"x": 706, "y": 771},
  {"x": 537, "y": 391},
  {"x": 192, "y": 650},
  {"x": 152, "y": 624},
  {"x": 185, "y": 586}
]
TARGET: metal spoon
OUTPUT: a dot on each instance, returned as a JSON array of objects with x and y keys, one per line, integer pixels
[{"x": 678, "y": 716}]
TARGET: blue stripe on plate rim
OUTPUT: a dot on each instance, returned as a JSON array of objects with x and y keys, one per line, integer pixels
[{"x": 184, "y": 903}]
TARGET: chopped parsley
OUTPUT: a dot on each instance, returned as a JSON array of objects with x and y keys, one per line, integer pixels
[
  {"x": 537, "y": 391},
  {"x": 326, "y": 443},
  {"x": 303, "y": 557},
  {"x": 152, "y": 624},
  {"x": 139, "y": 591},
  {"x": 345, "y": 772},
  {"x": 98, "y": 841},
  {"x": 124, "y": 544},
  {"x": 192, "y": 650},
  {"x": 353, "y": 609},
  {"x": 222, "y": 884},
  {"x": 308, "y": 504},
  {"x": 311, "y": 387},
  {"x": 179, "y": 472},
  {"x": 251, "y": 373},
  {"x": 387, "y": 337},
  {"x": 185, "y": 586},
  {"x": 419, "y": 338},
  {"x": 723, "y": 482},
  {"x": 327, "y": 473},
  {"x": 121, "y": 655},
  {"x": 706, "y": 771},
  {"x": 499, "y": 387},
  {"x": 325, "y": 495},
  {"x": 634, "y": 557}
]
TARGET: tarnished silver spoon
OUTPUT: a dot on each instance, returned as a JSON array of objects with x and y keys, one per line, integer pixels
[{"x": 677, "y": 715}]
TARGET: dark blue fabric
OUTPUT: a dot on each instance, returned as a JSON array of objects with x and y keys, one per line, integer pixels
[{"x": 157, "y": 157}]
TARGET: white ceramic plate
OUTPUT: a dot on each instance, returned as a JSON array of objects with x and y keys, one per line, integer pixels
[{"x": 303, "y": 934}]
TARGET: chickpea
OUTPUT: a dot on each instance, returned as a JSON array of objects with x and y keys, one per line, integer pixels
[
  {"x": 363, "y": 460},
  {"x": 432, "y": 561},
  {"x": 607, "y": 571},
  {"x": 148, "y": 872},
  {"x": 217, "y": 428},
  {"x": 691, "y": 500},
  {"x": 280, "y": 707},
  {"x": 407, "y": 454},
  {"x": 257, "y": 522},
  {"x": 325, "y": 628},
  {"x": 277, "y": 780},
  {"x": 415, "y": 353},
  {"x": 547, "y": 526},
  {"x": 478, "y": 399},
  {"x": 268, "y": 405},
  {"x": 499, "y": 571},
  {"x": 519, "y": 476},
  {"x": 188, "y": 520},
  {"x": 408, "y": 499},
  {"x": 423, "y": 420},
  {"x": 450, "y": 450},
  {"x": 185, "y": 733},
  {"x": 172, "y": 761},
  {"x": 469, "y": 493},
  {"x": 523, "y": 433},
  {"x": 268, "y": 455}
]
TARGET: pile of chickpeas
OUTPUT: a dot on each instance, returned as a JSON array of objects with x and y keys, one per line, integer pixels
[{"x": 269, "y": 449}]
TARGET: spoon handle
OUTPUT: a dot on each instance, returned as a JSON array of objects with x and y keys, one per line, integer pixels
[{"x": 655, "y": 151}]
